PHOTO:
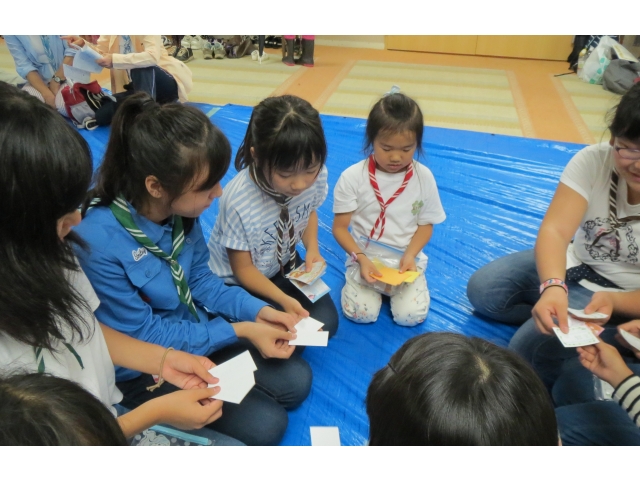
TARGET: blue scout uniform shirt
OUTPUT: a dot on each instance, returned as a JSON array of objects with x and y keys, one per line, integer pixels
[{"x": 138, "y": 296}]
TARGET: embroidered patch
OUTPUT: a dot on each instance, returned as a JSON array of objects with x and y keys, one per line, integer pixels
[
  {"x": 139, "y": 253},
  {"x": 417, "y": 205}
]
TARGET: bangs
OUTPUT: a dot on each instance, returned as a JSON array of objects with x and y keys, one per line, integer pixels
[{"x": 295, "y": 148}]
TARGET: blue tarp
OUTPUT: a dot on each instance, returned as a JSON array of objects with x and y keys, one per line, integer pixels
[{"x": 494, "y": 189}]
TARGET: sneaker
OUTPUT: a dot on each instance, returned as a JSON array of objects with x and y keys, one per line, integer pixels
[
  {"x": 186, "y": 41},
  {"x": 165, "y": 41},
  {"x": 185, "y": 54},
  {"x": 255, "y": 56},
  {"x": 196, "y": 42},
  {"x": 218, "y": 50},
  {"x": 207, "y": 50},
  {"x": 172, "y": 50}
]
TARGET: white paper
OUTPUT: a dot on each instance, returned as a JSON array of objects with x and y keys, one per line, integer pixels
[
  {"x": 75, "y": 74},
  {"x": 578, "y": 336},
  {"x": 325, "y": 437},
  {"x": 85, "y": 59},
  {"x": 311, "y": 339},
  {"x": 235, "y": 378},
  {"x": 631, "y": 339},
  {"x": 589, "y": 316},
  {"x": 309, "y": 324}
]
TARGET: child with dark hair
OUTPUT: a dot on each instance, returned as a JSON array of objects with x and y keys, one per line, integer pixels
[
  {"x": 270, "y": 206},
  {"x": 47, "y": 324},
  {"x": 391, "y": 198},
  {"x": 148, "y": 263},
  {"x": 40, "y": 409},
  {"x": 448, "y": 389}
]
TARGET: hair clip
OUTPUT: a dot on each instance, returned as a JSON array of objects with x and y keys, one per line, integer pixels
[
  {"x": 391, "y": 367},
  {"x": 394, "y": 89}
]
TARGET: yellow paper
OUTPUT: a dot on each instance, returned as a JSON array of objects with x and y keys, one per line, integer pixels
[{"x": 392, "y": 276}]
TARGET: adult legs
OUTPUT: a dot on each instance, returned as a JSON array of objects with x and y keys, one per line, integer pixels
[{"x": 155, "y": 81}]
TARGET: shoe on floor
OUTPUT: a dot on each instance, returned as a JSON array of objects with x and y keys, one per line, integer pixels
[
  {"x": 255, "y": 56},
  {"x": 196, "y": 42},
  {"x": 166, "y": 43},
  {"x": 171, "y": 50},
  {"x": 218, "y": 50},
  {"x": 185, "y": 54},
  {"x": 207, "y": 50},
  {"x": 186, "y": 41},
  {"x": 246, "y": 47}
]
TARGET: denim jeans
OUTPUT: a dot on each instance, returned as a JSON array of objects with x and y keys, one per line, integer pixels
[
  {"x": 583, "y": 420},
  {"x": 261, "y": 418}
]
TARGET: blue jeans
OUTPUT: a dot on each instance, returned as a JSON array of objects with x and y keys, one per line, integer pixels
[
  {"x": 169, "y": 436},
  {"x": 583, "y": 420},
  {"x": 261, "y": 418}
]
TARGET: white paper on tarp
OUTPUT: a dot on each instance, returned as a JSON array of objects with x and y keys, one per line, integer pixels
[
  {"x": 578, "y": 336},
  {"x": 631, "y": 339},
  {"x": 589, "y": 316},
  {"x": 325, "y": 437},
  {"x": 75, "y": 74},
  {"x": 85, "y": 59},
  {"x": 235, "y": 378}
]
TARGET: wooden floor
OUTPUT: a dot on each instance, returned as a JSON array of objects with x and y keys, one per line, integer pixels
[{"x": 496, "y": 95}]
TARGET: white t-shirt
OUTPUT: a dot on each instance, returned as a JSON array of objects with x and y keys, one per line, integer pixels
[
  {"x": 247, "y": 222},
  {"x": 419, "y": 204},
  {"x": 589, "y": 174},
  {"x": 97, "y": 376}
]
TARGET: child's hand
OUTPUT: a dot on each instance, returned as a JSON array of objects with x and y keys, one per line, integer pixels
[
  {"x": 367, "y": 269},
  {"x": 600, "y": 302},
  {"x": 293, "y": 307},
  {"x": 408, "y": 263},
  {"x": 74, "y": 41},
  {"x": 633, "y": 327},
  {"x": 313, "y": 256},
  {"x": 188, "y": 409},
  {"x": 604, "y": 361},
  {"x": 270, "y": 342},
  {"x": 272, "y": 317},
  {"x": 187, "y": 371},
  {"x": 553, "y": 303}
]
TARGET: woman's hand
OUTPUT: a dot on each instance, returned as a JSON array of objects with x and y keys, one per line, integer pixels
[
  {"x": 187, "y": 371},
  {"x": 106, "y": 61},
  {"x": 188, "y": 409},
  {"x": 270, "y": 342},
  {"x": 601, "y": 302},
  {"x": 408, "y": 263},
  {"x": 293, "y": 308},
  {"x": 632, "y": 327},
  {"x": 281, "y": 320},
  {"x": 605, "y": 362},
  {"x": 554, "y": 302},
  {"x": 367, "y": 269},
  {"x": 74, "y": 40},
  {"x": 313, "y": 256}
]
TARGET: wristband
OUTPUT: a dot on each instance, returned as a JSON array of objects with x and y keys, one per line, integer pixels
[
  {"x": 160, "y": 379},
  {"x": 354, "y": 256},
  {"x": 553, "y": 282}
]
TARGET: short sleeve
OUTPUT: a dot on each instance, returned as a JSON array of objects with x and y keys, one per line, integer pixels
[
  {"x": 229, "y": 230},
  {"x": 345, "y": 193},
  {"x": 584, "y": 169},
  {"x": 431, "y": 212},
  {"x": 322, "y": 189}
]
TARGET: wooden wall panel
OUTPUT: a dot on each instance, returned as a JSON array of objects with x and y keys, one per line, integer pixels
[
  {"x": 542, "y": 47},
  {"x": 461, "y": 44}
]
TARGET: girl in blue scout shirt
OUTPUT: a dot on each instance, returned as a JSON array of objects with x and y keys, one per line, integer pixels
[
  {"x": 270, "y": 206},
  {"x": 147, "y": 260}
]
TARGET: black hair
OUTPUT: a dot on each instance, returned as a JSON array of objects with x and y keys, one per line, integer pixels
[
  {"x": 392, "y": 114},
  {"x": 624, "y": 120},
  {"x": 448, "y": 389},
  {"x": 286, "y": 134},
  {"x": 45, "y": 171},
  {"x": 40, "y": 409},
  {"x": 173, "y": 142}
]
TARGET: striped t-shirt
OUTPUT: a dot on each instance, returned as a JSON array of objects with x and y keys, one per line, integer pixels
[
  {"x": 628, "y": 396},
  {"x": 247, "y": 222}
]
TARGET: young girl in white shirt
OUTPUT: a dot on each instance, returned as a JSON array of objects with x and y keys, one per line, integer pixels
[{"x": 391, "y": 198}]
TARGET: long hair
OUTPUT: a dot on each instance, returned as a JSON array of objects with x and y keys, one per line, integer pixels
[
  {"x": 45, "y": 171},
  {"x": 39, "y": 409},
  {"x": 286, "y": 134},
  {"x": 392, "y": 114},
  {"x": 624, "y": 120},
  {"x": 448, "y": 389},
  {"x": 176, "y": 143}
]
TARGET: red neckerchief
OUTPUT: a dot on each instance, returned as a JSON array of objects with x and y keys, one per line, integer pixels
[{"x": 383, "y": 206}]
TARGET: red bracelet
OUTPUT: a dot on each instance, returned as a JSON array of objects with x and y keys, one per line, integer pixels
[{"x": 554, "y": 282}]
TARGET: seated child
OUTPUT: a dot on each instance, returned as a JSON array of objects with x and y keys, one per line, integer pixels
[
  {"x": 391, "y": 198},
  {"x": 448, "y": 389}
]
